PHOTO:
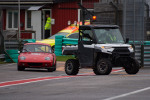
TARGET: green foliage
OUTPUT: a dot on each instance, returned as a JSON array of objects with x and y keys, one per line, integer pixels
[
  {"x": 64, "y": 58},
  {"x": 2, "y": 61}
]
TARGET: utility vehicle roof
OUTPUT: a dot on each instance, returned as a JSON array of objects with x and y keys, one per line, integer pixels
[{"x": 99, "y": 26}]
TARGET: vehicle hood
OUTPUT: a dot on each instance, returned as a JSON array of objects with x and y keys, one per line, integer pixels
[
  {"x": 113, "y": 45},
  {"x": 108, "y": 48},
  {"x": 35, "y": 57},
  {"x": 48, "y": 41}
]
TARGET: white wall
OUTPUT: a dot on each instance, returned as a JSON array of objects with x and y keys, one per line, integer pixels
[{"x": 36, "y": 23}]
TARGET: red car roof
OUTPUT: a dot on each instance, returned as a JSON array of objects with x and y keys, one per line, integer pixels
[{"x": 37, "y": 43}]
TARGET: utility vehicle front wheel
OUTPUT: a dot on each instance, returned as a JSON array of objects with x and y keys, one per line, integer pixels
[
  {"x": 132, "y": 66},
  {"x": 103, "y": 67},
  {"x": 72, "y": 67}
]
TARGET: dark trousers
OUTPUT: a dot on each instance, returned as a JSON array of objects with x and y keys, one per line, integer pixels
[{"x": 47, "y": 34}]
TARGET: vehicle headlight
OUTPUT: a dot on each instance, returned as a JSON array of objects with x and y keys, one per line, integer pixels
[
  {"x": 106, "y": 47},
  {"x": 47, "y": 58},
  {"x": 22, "y": 57},
  {"x": 131, "y": 49}
]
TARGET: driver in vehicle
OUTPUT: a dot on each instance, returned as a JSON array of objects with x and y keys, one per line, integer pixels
[{"x": 110, "y": 37}]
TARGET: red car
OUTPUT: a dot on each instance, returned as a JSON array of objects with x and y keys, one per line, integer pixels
[{"x": 37, "y": 55}]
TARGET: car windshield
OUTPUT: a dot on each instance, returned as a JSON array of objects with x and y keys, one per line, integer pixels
[
  {"x": 53, "y": 36},
  {"x": 108, "y": 35},
  {"x": 37, "y": 48}
]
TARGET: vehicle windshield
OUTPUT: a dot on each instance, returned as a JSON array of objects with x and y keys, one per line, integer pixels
[
  {"x": 53, "y": 36},
  {"x": 108, "y": 35},
  {"x": 37, "y": 48}
]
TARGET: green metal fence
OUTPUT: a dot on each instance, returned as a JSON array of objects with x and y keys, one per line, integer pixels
[
  {"x": 61, "y": 41},
  {"x": 145, "y": 54},
  {"x": 11, "y": 55}
]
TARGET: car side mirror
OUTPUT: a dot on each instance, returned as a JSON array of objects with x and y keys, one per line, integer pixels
[
  {"x": 18, "y": 52},
  {"x": 127, "y": 40}
]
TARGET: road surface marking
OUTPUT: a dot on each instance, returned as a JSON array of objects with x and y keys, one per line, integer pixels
[
  {"x": 7, "y": 64},
  {"x": 25, "y": 81},
  {"x": 127, "y": 94},
  {"x": 117, "y": 70}
]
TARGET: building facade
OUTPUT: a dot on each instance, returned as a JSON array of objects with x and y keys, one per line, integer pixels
[{"x": 32, "y": 16}]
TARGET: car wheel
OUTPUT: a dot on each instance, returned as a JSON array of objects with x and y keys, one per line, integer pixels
[
  {"x": 72, "y": 67},
  {"x": 103, "y": 67},
  {"x": 50, "y": 69},
  {"x": 132, "y": 66},
  {"x": 20, "y": 68},
  {"x": 54, "y": 69}
]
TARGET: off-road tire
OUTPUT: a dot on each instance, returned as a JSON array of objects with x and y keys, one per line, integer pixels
[
  {"x": 20, "y": 68},
  {"x": 132, "y": 66},
  {"x": 72, "y": 67},
  {"x": 103, "y": 67}
]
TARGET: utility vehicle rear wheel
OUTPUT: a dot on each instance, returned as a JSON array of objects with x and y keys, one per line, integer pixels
[
  {"x": 103, "y": 67},
  {"x": 132, "y": 66},
  {"x": 72, "y": 67}
]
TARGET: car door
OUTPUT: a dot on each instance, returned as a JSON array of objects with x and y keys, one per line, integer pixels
[{"x": 86, "y": 48}]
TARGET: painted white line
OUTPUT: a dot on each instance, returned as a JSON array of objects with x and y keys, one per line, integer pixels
[{"x": 127, "y": 94}]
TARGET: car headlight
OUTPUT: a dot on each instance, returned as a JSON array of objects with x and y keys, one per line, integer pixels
[
  {"x": 22, "y": 57},
  {"x": 47, "y": 58}
]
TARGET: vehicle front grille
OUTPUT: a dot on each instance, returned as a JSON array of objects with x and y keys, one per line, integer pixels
[
  {"x": 121, "y": 52},
  {"x": 123, "y": 49},
  {"x": 35, "y": 64}
]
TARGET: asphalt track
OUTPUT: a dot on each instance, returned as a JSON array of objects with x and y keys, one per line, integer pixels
[{"x": 38, "y": 84}]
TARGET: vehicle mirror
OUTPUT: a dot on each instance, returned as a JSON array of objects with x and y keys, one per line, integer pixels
[
  {"x": 52, "y": 51},
  {"x": 19, "y": 52},
  {"x": 127, "y": 40}
]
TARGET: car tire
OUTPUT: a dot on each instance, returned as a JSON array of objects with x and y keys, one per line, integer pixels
[
  {"x": 50, "y": 69},
  {"x": 54, "y": 69},
  {"x": 20, "y": 68},
  {"x": 132, "y": 66},
  {"x": 72, "y": 67},
  {"x": 103, "y": 67}
]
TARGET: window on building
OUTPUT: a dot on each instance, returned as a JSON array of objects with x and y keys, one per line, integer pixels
[
  {"x": 87, "y": 16},
  {"x": 12, "y": 19},
  {"x": 28, "y": 19}
]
